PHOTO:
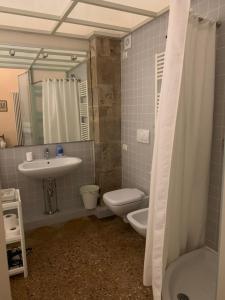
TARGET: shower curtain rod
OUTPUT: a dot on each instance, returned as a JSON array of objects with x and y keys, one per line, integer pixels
[
  {"x": 67, "y": 79},
  {"x": 218, "y": 23},
  {"x": 200, "y": 19}
]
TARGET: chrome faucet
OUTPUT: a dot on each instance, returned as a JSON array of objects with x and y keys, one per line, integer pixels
[{"x": 46, "y": 153}]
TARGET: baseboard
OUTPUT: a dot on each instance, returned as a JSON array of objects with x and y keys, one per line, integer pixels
[
  {"x": 59, "y": 217},
  {"x": 64, "y": 216},
  {"x": 103, "y": 212}
]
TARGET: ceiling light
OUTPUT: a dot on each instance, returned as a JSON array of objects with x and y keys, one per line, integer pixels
[
  {"x": 12, "y": 52},
  {"x": 44, "y": 55},
  {"x": 73, "y": 57}
]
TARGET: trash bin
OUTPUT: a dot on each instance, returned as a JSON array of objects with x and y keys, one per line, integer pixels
[{"x": 90, "y": 194}]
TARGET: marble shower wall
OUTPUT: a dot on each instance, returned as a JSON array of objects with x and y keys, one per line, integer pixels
[{"x": 106, "y": 90}]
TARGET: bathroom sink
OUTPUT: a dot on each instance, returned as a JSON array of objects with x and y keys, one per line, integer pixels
[{"x": 54, "y": 167}]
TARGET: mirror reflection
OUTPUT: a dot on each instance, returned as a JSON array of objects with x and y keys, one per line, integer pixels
[{"x": 44, "y": 96}]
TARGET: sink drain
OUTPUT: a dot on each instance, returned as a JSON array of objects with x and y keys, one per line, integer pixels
[{"x": 182, "y": 297}]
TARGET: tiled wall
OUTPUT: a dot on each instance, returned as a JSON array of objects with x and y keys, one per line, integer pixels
[
  {"x": 216, "y": 10},
  {"x": 69, "y": 200},
  {"x": 138, "y": 75},
  {"x": 138, "y": 94}
]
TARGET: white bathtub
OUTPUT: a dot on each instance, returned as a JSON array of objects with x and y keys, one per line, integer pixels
[{"x": 194, "y": 275}]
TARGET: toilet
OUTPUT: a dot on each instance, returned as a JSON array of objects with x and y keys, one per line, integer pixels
[{"x": 123, "y": 201}]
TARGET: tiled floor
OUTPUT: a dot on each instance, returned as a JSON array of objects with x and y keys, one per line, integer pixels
[{"x": 83, "y": 259}]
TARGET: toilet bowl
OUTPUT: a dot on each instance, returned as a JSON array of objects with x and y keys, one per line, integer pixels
[
  {"x": 123, "y": 201},
  {"x": 138, "y": 220}
]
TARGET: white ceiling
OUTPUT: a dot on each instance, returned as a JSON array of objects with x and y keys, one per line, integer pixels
[
  {"x": 79, "y": 18},
  {"x": 152, "y": 5}
]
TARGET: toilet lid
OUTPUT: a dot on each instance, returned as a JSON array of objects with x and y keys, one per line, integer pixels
[{"x": 123, "y": 196}]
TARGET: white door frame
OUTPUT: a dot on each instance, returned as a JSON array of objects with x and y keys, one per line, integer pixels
[
  {"x": 5, "y": 292},
  {"x": 221, "y": 264}
]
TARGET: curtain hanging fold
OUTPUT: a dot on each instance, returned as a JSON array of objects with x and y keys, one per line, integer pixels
[
  {"x": 181, "y": 158},
  {"x": 61, "y": 115},
  {"x": 18, "y": 119}
]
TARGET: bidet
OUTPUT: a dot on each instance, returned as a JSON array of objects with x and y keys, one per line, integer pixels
[{"x": 138, "y": 220}]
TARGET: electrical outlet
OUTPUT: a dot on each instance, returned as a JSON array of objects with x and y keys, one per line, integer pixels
[
  {"x": 124, "y": 147},
  {"x": 125, "y": 55}
]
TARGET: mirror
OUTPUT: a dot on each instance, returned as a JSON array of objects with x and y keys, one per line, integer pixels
[{"x": 44, "y": 96}]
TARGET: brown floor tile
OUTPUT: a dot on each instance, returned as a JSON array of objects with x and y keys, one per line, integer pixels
[{"x": 83, "y": 259}]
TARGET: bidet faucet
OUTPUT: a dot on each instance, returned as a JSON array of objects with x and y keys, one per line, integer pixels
[{"x": 46, "y": 153}]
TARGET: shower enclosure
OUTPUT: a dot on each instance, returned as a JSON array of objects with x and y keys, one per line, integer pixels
[
  {"x": 199, "y": 274},
  {"x": 177, "y": 263},
  {"x": 192, "y": 276}
]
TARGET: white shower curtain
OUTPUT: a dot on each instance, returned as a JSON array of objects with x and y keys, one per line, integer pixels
[
  {"x": 181, "y": 158},
  {"x": 61, "y": 117}
]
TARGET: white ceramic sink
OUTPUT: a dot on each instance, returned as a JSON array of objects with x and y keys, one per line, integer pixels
[{"x": 53, "y": 167}]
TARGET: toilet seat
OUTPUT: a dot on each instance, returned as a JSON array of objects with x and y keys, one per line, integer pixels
[{"x": 123, "y": 196}]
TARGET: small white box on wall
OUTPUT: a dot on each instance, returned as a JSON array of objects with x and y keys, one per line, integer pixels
[
  {"x": 127, "y": 42},
  {"x": 124, "y": 55},
  {"x": 125, "y": 147},
  {"x": 143, "y": 136}
]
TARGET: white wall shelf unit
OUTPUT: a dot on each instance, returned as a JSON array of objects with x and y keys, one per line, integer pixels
[{"x": 15, "y": 204}]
